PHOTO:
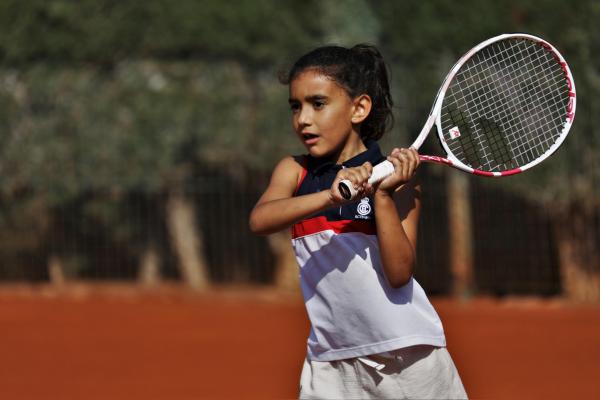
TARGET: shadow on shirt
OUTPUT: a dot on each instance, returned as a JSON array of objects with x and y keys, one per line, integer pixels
[{"x": 338, "y": 254}]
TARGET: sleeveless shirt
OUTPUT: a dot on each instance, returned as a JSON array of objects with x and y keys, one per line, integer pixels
[{"x": 352, "y": 309}]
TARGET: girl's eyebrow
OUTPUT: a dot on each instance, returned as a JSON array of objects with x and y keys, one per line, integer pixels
[{"x": 311, "y": 98}]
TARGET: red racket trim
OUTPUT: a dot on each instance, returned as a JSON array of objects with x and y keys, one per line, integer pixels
[
  {"x": 442, "y": 160},
  {"x": 435, "y": 159}
]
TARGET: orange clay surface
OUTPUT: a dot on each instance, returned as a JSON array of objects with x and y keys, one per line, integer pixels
[{"x": 123, "y": 343}]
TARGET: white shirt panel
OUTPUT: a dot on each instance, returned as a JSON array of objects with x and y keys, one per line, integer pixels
[{"x": 352, "y": 309}]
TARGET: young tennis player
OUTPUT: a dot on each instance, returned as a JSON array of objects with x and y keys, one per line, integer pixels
[{"x": 374, "y": 333}]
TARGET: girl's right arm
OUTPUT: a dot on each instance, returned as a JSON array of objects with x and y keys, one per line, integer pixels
[{"x": 278, "y": 209}]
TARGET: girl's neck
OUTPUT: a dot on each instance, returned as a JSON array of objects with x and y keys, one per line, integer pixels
[{"x": 353, "y": 146}]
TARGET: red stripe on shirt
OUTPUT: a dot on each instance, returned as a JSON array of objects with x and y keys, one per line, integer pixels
[
  {"x": 300, "y": 181},
  {"x": 302, "y": 176},
  {"x": 320, "y": 224}
]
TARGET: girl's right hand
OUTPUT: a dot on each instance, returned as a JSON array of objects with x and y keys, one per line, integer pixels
[{"x": 359, "y": 176}]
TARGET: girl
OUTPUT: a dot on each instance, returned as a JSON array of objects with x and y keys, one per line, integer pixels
[{"x": 373, "y": 331}]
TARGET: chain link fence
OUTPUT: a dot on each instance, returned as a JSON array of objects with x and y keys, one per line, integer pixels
[{"x": 511, "y": 244}]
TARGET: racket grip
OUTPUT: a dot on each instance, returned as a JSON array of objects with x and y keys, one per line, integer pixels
[{"x": 380, "y": 172}]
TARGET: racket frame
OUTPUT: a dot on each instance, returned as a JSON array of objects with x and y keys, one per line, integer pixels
[
  {"x": 435, "y": 114},
  {"x": 385, "y": 168}
]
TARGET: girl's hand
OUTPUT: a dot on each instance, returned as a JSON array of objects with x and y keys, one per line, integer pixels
[
  {"x": 405, "y": 163},
  {"x": 359, "y": 176}
]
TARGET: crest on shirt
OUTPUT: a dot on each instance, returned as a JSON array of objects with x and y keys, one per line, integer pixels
[{"x": 363, "y": 209}]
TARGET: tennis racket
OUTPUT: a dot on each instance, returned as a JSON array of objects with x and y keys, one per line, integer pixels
[{"x": 505, "y": 106}]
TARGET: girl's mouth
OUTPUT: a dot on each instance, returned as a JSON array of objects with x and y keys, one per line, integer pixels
[{"x": 310, "y": 138}]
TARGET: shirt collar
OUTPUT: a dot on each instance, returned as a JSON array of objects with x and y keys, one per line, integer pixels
[{"x": 372, "y": 154}]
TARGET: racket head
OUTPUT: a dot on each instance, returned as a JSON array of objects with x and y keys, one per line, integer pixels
[{"x": 506, "y": 105}]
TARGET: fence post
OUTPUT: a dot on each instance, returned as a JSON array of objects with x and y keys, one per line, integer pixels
[
  {"x": 461, "y": 234},
  {"x": 187, "y": 240}
]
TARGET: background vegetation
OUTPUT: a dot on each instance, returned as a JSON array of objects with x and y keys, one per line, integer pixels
[{"x": 137, "y": 135}]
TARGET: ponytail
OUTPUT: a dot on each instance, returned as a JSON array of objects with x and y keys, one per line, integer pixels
[{"x": 375, "y": 84}]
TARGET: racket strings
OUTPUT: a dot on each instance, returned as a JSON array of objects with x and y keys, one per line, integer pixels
[
  {"x": 509, "y": 102},
  {"x": 485, "y": 127}
]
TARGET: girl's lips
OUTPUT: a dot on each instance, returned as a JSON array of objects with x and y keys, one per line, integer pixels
[{"x": 309, "y": 138}]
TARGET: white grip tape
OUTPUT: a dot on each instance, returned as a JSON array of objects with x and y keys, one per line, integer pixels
[{"x": 380, "y": 172}]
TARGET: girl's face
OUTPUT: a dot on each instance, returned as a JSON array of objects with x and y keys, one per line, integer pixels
[{"x": 322, "y": 116}]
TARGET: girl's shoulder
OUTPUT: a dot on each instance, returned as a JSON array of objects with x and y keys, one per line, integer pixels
[
  {"x": 292, "y": 163},
  {"x": 301, "y": 160},
  {"x": 289, "y": 171}
]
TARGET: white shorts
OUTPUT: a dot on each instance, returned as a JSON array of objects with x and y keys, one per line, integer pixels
[{"x": 417, "y": 372}]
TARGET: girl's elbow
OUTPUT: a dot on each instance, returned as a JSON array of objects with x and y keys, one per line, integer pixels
[
  {"x": 399, "y": 281},
  {"x": 402, "y": 274},
  {"x": 255, "y": 226},
  {"x": 260, "y": 226}
]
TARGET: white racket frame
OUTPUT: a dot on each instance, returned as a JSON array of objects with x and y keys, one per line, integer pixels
[{"x": 386, "y": 168}]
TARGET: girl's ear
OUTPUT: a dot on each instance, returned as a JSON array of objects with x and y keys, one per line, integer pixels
[{"x": 361, "y": 108}]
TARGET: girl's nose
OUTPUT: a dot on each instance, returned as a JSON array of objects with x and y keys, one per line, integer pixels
[{"x": 304, "y": 117}]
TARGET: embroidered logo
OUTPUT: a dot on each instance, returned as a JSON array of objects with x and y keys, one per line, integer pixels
[{"x": 364, "y": 208}]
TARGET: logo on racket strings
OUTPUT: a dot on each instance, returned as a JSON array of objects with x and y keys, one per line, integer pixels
[
  {"x": 454, "y": 132},
  {"x": 363, "y": 208}
]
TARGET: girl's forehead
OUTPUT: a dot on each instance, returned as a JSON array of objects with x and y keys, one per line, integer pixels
[{"x": 312, "y": 82}]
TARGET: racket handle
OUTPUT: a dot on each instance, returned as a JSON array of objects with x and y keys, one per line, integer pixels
[{"x": 380, "y": 172}]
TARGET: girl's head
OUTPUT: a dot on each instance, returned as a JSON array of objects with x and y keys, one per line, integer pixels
[{"x": 359, "y": 70}]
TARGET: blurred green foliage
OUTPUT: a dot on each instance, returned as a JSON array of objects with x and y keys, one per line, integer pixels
[
  {"x": 92, "y": 81},
  {"x": 423, "y": 39},
  {"x": 254, "y": 32},
  {"x": 107, "y": 99}
]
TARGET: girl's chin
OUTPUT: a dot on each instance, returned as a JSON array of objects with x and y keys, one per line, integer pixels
[{"x": 318, "y": 152}]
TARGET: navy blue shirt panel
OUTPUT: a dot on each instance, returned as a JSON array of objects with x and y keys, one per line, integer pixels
[{"x": 321, "y": 174}]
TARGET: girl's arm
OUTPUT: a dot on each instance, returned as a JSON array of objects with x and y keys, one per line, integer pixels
[
  {"x": 397, "y": 222},
  {"x": 277, "y": 209}
]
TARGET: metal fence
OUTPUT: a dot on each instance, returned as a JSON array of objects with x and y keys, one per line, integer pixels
[{"x": 103, "y": 236}]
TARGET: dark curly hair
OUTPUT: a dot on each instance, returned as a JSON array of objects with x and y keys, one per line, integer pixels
[{"x": 359, "y": 70}]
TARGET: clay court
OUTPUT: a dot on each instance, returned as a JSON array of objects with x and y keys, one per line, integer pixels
[{"x": 123, "y": 343}]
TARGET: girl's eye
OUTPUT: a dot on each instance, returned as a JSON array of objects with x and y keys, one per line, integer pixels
[
  {"x": 318, "y": 104},
  {"x": 295, "y": 107}
]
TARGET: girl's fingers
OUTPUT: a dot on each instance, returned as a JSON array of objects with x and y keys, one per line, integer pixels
[
  {"x": 411, "y": 160},
  {"x": 414, "y": 156},
  {"x": 404, "y": 163},
  {"x": 395, "y": 160},
  {"x": 358, "y": 176},
  {"x": 365, "y": 171}
]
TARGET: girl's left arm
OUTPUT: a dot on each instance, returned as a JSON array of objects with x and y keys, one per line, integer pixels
[{"x": 397, "y": 221}]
